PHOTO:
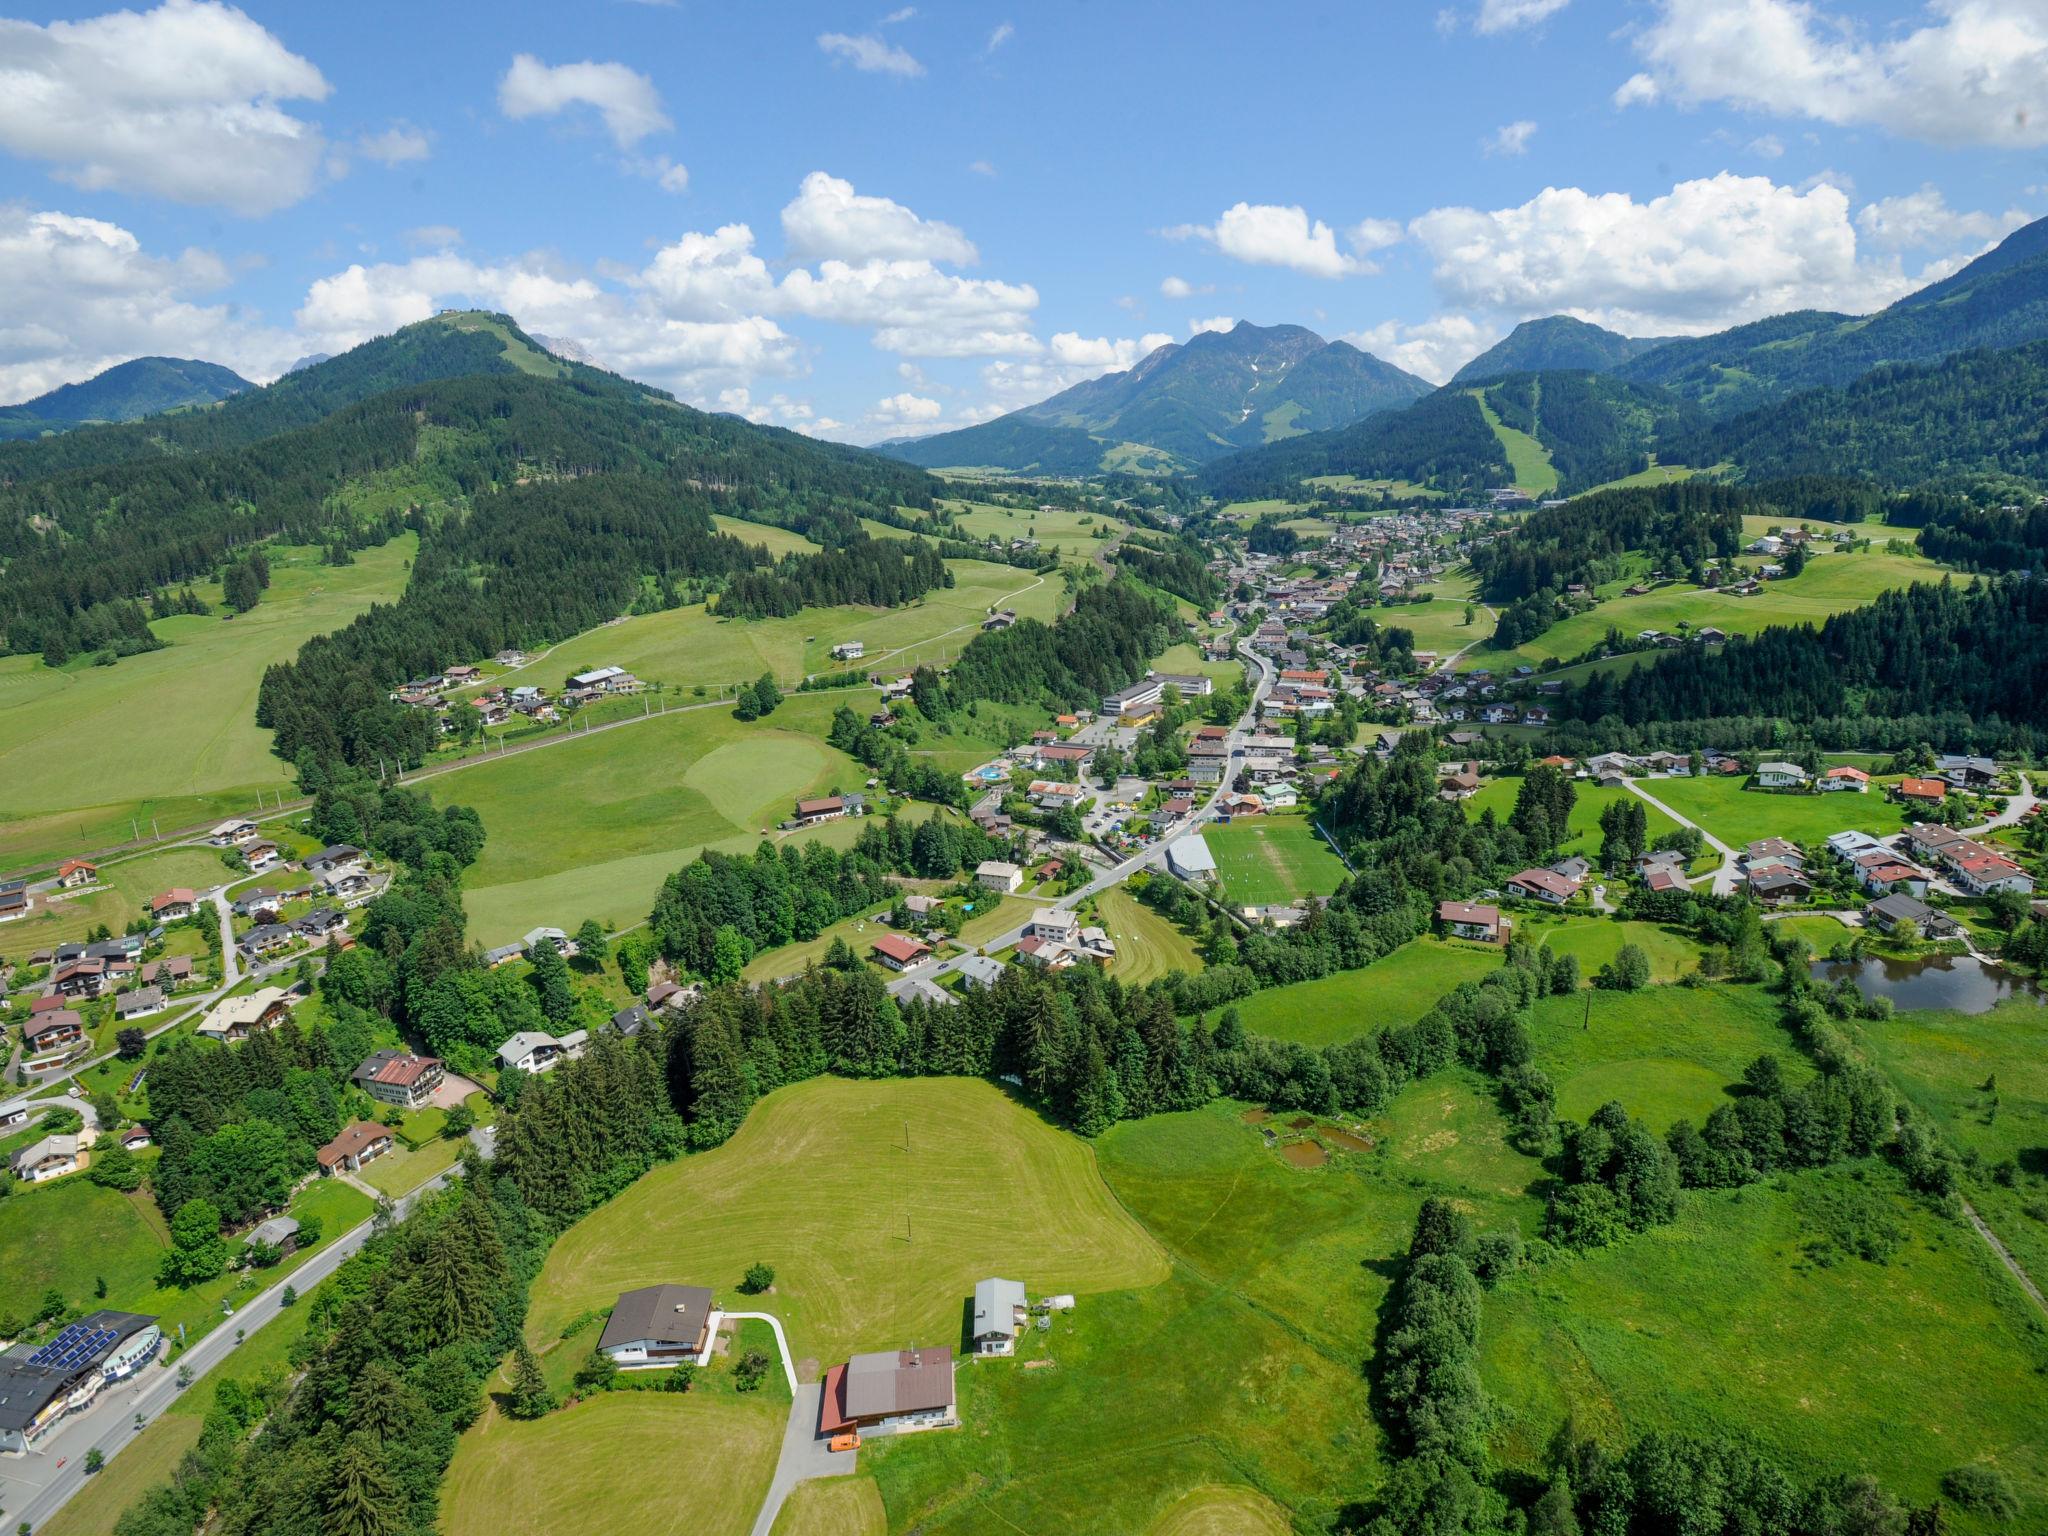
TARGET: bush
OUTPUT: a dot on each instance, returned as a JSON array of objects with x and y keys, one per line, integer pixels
[
  {"x": 681, "y": 1378},
  {"x": 758, "y": 1278},
  {"x": 750, "y": 1371},
  {"x": 1628, "y": 971},
  {"x": 1983, "y": 1491},
  {"x": 1496, "y": 1255},
  {"x": 597, "y": 1372}
]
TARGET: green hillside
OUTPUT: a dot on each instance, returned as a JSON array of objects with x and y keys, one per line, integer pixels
[
  {"x": 143, "y": 386},
  {"x": 1554, "y": 342}
]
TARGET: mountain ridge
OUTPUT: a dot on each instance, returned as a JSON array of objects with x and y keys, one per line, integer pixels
[{"x": 142, "y": 386}]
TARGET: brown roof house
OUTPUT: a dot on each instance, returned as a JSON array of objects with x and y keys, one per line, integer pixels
[
  {"x": 1466, "y": 920},
  {"x": 399, "y": 1077},
  {"x": 659, "y": 1326},
  {"x": 891, "y": 1391},
  {"x": 355, "y": 1146}
]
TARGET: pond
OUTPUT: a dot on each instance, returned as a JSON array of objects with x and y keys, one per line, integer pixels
[{"x": 1958, "y": 983}]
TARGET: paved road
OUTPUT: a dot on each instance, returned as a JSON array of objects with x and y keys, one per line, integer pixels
[
  {"x": 804, "y": 1453},
  {"x": 34, "y": 1487},
  {"x": 2017, "y": 808},
  {"x": 1728, "y": 876}
]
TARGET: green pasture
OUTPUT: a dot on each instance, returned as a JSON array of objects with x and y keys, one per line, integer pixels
[
  {"x": 1739, "y": 815},
  {"x": 1147, "y": 945},
  {"x": 1398, "y": 989}
]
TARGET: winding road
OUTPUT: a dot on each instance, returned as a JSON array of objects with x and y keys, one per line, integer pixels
[{"x": 1729, "y": 875}]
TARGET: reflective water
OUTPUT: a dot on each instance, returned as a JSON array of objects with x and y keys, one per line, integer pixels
[{"x": 1956, "y": 982}]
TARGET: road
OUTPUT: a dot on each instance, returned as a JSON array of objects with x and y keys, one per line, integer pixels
[
  {"x": 804, "y": 1454},
  {"x": 1729, "y": 875},
  {"x": 2017, "y": 809},
  {"x": 34, "y": 1487}
]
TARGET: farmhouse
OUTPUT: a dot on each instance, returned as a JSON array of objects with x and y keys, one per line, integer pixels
[
  {"x": 893, "y": 1391},
  {"x": 660, "y": 1326},
  {"x": 849, "y": 650},
  {"x": 356, "y": 1145},
  {"x": 73, "y": 873},
  {"x": 1845, "y": 777},
  {"x": 399, "y": 1077},
  {"x": 997, "y": 875},
  {"x": 172, "y": 905},
  {"x": 1543, "y": 885},
  {"x": 1000, "y": 1307},
  {"x": 811, "y": 813},
  {"x": 40, "y": 1384},
  {"x": 1467, "y": 921},
  {"x": 899, "y": 951},
  {"x": 604, "y": 680},
  {"x": 50, "y": 1158}
]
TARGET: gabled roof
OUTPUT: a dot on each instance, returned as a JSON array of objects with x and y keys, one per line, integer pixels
[
  {"x": 995, "y": 1306},
  {"x": 658, "y": 1314}
]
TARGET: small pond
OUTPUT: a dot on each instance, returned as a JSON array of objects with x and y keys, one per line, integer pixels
[{"x": 1955, "y": 982}]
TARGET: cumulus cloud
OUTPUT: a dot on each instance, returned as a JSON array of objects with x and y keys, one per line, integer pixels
[
  {"x": 1369, "y": 235},
  {"x": 1274, "y": 235},
  {"x": 905, "y": 410},
  {"x": 869, "y": 54},
  {"x": 1432, "y": 349},
  {"x": 1506, "y": 15},
  {"x": 396, "y": 145},
  {"x": 78, "y": 295},
  {"x": 1923, "y": 219},
  {"x": 1973, "y": 72},
  {"x": 1213, "y": 323},
  {"x": 181, "y": 102},
  {"x": 1710, "y": 253},
  {"x": 828, "y": 218},
  {"x": 1510, "y": 138},
  {"x": 624, "y": 98},
  {"x": 1070, "y": 349},
  {"x": 1181, "y": 288}
]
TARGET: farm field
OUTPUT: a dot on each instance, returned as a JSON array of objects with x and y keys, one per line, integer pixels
[
  {"x": 122, "y": 895},
  {"x": 1667, "y": 1053},
  {"x": 1439, "y": 624},
  {"x": 1656, "y": 474},
  {"x": 589, "y": 1470},
  {"x": 1671, "y": 951},
  {"x": 1737, "y": 816},
  {"x": 1398, "y": 989},
  {"x": 173, "y": 732},
  {"x": 1223, "y": 1512},
  {"x": 818, "y": 1183},
  {"x": 1498, "y": 796},
  {"x": 1273, "y": 860},
  {"x": 591, "y": 828},
  {"x": 792, "y": 959},
  {"x": 689, "y": 647},
  {"x": 1071, "y": 533},
  {"x": 777, "y": 541},
  {"x": 1147, "y": 945},
  {"x": 1830, "y": 584}
]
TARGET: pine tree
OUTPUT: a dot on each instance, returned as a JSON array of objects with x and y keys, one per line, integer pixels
[
  {"x": 530, "y": 1395},
  {"x": 362, "y": 1498}
]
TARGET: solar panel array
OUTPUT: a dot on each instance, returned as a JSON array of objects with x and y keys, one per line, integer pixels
[{"x": 74, "y": 1345}]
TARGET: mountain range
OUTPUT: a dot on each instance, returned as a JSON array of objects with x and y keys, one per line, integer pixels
[
  {"x": 1181, "y": 405},
  {"x": 1555, "y": 342},
  {"x": 142, "y": 386}
]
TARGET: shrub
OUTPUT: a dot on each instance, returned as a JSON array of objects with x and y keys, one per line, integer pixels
[
  {"x": 597, "y": 1372},
  {"x": 758, "y": 1278},
  {"x": 1983, "y": 1491},
  {"x": 750, "y": 1370},
  {"x": 1496, "y": 1255}
]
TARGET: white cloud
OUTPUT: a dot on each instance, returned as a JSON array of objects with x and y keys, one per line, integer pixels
[
  {"x": 897, "y": 17},
  {"x": 1922, "y": 219},
  {"x": 669, "y": 175},
  {"x": 1506, "y": 15},
  {"x": 1213, "y": 323},
  {"x": 1434, "y": 349},
  {"x": 396, "y": 145},
  {"x": 78, "y": 295},
  {"x": 1003, "y": 33},
  {"x": 1071, "y": 350},
  {"x": 1369, "y": 235},
  {"x": 1975, "y": 71},
  {"x": 1510, "y": 138},
  {"x": 828, "y": 218},
  {"x": 1767, "y": 145},
  {"x": 869, "y": 54},
  {"x": 1637, "y": 90},
  {"x": 1708, "y": 254},
  {"x": 1181, "y": 288},
  {"x": 439, "y": 237},
  {"x": 181, "y": 102},
  {"x": 1274, "y": 235},
  {"x": 905, "y": 410},
  {"x": 624, "y": 98}
]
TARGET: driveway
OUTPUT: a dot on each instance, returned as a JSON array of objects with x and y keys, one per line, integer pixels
[
  {"x": 2017, "y": 808},
  {"x": 804, "y": 1451},
  {"x": 1728, "y": 876}
]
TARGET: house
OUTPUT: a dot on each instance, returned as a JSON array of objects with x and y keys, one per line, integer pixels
[
  {"x": 317, "y": 924},
  {"x": 262, "y": 903},
  {"x": 74, "y": 873},
  {"x": 173, "y": 904},
  {"x": 1922, "y": 791},
  {"x": 1780, "y": 776},
  {"x": 896, "y": 1390},
  {"x": 1888, "y": 912},
  {"x": 660, "y": 1326},
  {"x": 267, "y": 937},
  {"x": 356, "y": 1145},
  {"x": 81, "y": 978},
  {"x": 1189, "y": 858},
  {"x": 918, "y": 905},
  {"x": 604, "y": 680},
  {"x": 279, "y": 1232},
  {"x": 232, "y": 832},
  {"x": 14, "y": 903},
  {"x": 1844, "y": 777},
  {"x": 1000, "y": 1308},
  {"x": 14, "y": 1112},
  {"x": 334, "y": 860},
  {"x": 135, "y": 1138},
  {"x": 532, "y": 1051},
  {"x": 919, "y": 989},
  {"x": 52, "y": 1030},
  {"x": 811, "y": 813},
  {"x": 1046, "y": 954},
  {"x": 140, "y": 1003},
  {"x": 1080, "y": 758},
  {"x": 1966, "y": 772},
  {"x": 1543, "y": 885},
  {"x": 980, "y": 971},
  {"x": 1054, "y": 923},
  {"x": 50, "y": 1158},
  {"x": 849, "y": 650},
  {"x": 1771, "y": 850},
  {"x": 1458, "y": 786},
  {"x": 997, "y": 875},
  {"x": 628, "y": 1022},
  {"x": 898, "y": 951},
  {"x": 260, "y": 855},
  {"x": 237, "y": 1018},
  {"x": 1467, "y": 921},
  {"x": 1779, "y": 883},
  {"x": 399, "y": 1077}
]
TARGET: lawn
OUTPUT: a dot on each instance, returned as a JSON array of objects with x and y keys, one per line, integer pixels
[
  {"x": 1821, "y": 933},
  {"x": 65, "y": 1234},
  {"x": 86, "y": 752},
  {"x": 1223, "y": 1512},
  {"x": 1672, "y": 952},
  {"x": 1273, "y": 860},
  {"x": 1830, "y": 584},
  {"x": 1721, "y": 1323},
  {"x": 121, "y": 896},
  {"x": 1498, "y": 796},
  {"x": 874, "y": 1246},
  {"x": 834, "y": 1506},
  {"x": 1398, "y": 989},
  {"x": 619, "y": 1464},
  {"x": 1737, "y": 815},
  {"x": 402, "y": 1170},
  {"x": 591, "y": 828},
  {"x": 1147, "y": 945},
  {"x": 1667, "y": 1053}
]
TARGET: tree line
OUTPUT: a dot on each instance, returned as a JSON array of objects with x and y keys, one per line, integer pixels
[{"x": 1678, "y": 527}]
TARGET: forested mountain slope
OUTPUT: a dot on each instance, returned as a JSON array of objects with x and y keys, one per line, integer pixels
[
  {"x": 1555, "y": 342},
  {"x": 143, "y": 386}
]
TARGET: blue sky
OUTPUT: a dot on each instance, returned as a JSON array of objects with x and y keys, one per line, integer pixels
[{"x": 864, "y": 223}]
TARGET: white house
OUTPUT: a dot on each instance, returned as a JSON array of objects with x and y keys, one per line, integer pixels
[
  {"x": 1780, "y": 775},
  {"x": 997, "y": 875},
  {"x": 50, "y": 1158},
  {"x": 1000, "y": 1307},
  {"x": 531, "y": 1051},
  {"x": 661, "y": 1326}
]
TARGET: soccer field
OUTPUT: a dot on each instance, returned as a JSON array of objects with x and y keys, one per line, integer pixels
[{"x": 1273, "y": 860}]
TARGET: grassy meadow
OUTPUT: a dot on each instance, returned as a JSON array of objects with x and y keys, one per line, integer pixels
[
  {"x": 1273, "y": 860},
  {"x": 1672, "y": 951},
  {"x": 1498, "y": 796},
  {"x": 123, "y": 894},
  {"x": 834, "y": 1506},
  {"x": 1147, "y": 945},
  {"x": 1398, "y": 989},
  {"x": 1737, "y": 815},
  {"x": 87, "y": 751}
]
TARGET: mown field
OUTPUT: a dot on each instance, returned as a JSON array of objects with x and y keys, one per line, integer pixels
[
  {"x": 122, "y": 895},
  {"x": 1830, "y": 584},
  {"x": 838, "y": 1506},
  {"x": 1672, "y": 952},
  {"x": 87, "y": 752},
  {"x": 1439, "y": 624},
  {"x": 1071, "y": 533},
  {"x": 1737, "y": 815},
  {"x": 875, "y": 1244},
  {"x": 1273, "y": 860},
  {"x": 1396, "y": 990},
  {"x": 1147, "y": 945}
]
